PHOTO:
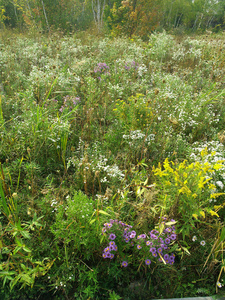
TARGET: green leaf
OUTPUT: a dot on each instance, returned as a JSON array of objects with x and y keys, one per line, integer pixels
[
  {"x": 222, "y": 235},
  {"x": 170, "y": 223},
  {"x": 186, "y": 250},
  {"x": 26, "y": 249},
  {"x": 25, "y": 234},
  {"x": 103, "y": 212},
  {"x": 19, "y": 242},
  {"x": 23, "y": 267},
  {"x": 18, "y": 248}
]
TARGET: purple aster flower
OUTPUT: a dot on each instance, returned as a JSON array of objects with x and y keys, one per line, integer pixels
[
  {"x": 159, "y": 250},
  {"x": 115, "y": 248},
  {"x": 154, "y": 254},
  {"x": 153, "y": 236},
  {"x": 112, "y": 236},
  {"x": 104, "y": 229},
  {"x": 111, "y": 248},
  {"x": 112, "y": 243},
  {"x": 147, "y": 261},
  {"x": 148, "y": 243},
  {"x": 173, "y": 236},
  {"x": 108, "y": 225},
  {"x": 143, "y": 236},
  {"x": 124, "y": 264},
  {"x": 108, "y": 254},
  {"x": 104, "y": 255},
  {"x": 166, "y": 257},
  {"x": 139, "y": 246},
  {"x": 167, "y": 241},
  {"x": 171, "y": 260},
  {"x": 132, "y": 234},
  {"x": 127, "y": 239},
  {"x": 112, "y": 255},
  {"x": 153, "y": 250},
  {"x": 106, "y": 249}
]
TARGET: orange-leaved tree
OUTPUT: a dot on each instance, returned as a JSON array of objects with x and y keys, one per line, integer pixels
[{"x": 134, "y": 17}]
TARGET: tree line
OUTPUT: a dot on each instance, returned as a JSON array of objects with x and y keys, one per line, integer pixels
[{"x": 130, "y": 17}]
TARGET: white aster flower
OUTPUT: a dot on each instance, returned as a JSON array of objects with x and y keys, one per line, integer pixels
[
  {"x": 220, "y": 184},
  {"x": 202, "y": 243},
  {"x": 194, "y": 238}
]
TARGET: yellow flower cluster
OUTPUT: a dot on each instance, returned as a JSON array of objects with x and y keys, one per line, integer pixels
[{"x": 188, "y": 186}]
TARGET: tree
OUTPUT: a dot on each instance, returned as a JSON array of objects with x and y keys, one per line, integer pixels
[
  {"x": 98, "y": 7},
  {"x": 134, "y": 17}
]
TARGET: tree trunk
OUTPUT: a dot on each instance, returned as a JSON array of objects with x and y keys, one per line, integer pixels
[
  {"x": 46, "y": 19},
  {"x": 98, "y": 11}
]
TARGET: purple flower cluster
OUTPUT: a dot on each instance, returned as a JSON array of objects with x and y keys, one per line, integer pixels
[
  {"x": 156, "y": 242},
  {"x": 69, "y": 103},
  {"x": 107, "y": 251},
  {"x": 123, "y": 232},
  {"x": 100, "y": 69},
  {"x": 160, "y": 242},
  {"x": 131, "y": 65}
]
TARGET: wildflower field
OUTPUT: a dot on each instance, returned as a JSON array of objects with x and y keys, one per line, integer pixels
[{"x": 112, "y": 166}]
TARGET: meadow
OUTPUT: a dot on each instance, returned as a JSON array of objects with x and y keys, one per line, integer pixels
[{"x": 112, "y": 166}]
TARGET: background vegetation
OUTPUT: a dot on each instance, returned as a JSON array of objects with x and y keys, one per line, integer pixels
[{"x": 132, "y": 17}]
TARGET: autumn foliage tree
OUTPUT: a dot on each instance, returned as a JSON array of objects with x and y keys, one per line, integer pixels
[{"x": 134, "y": 17}]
